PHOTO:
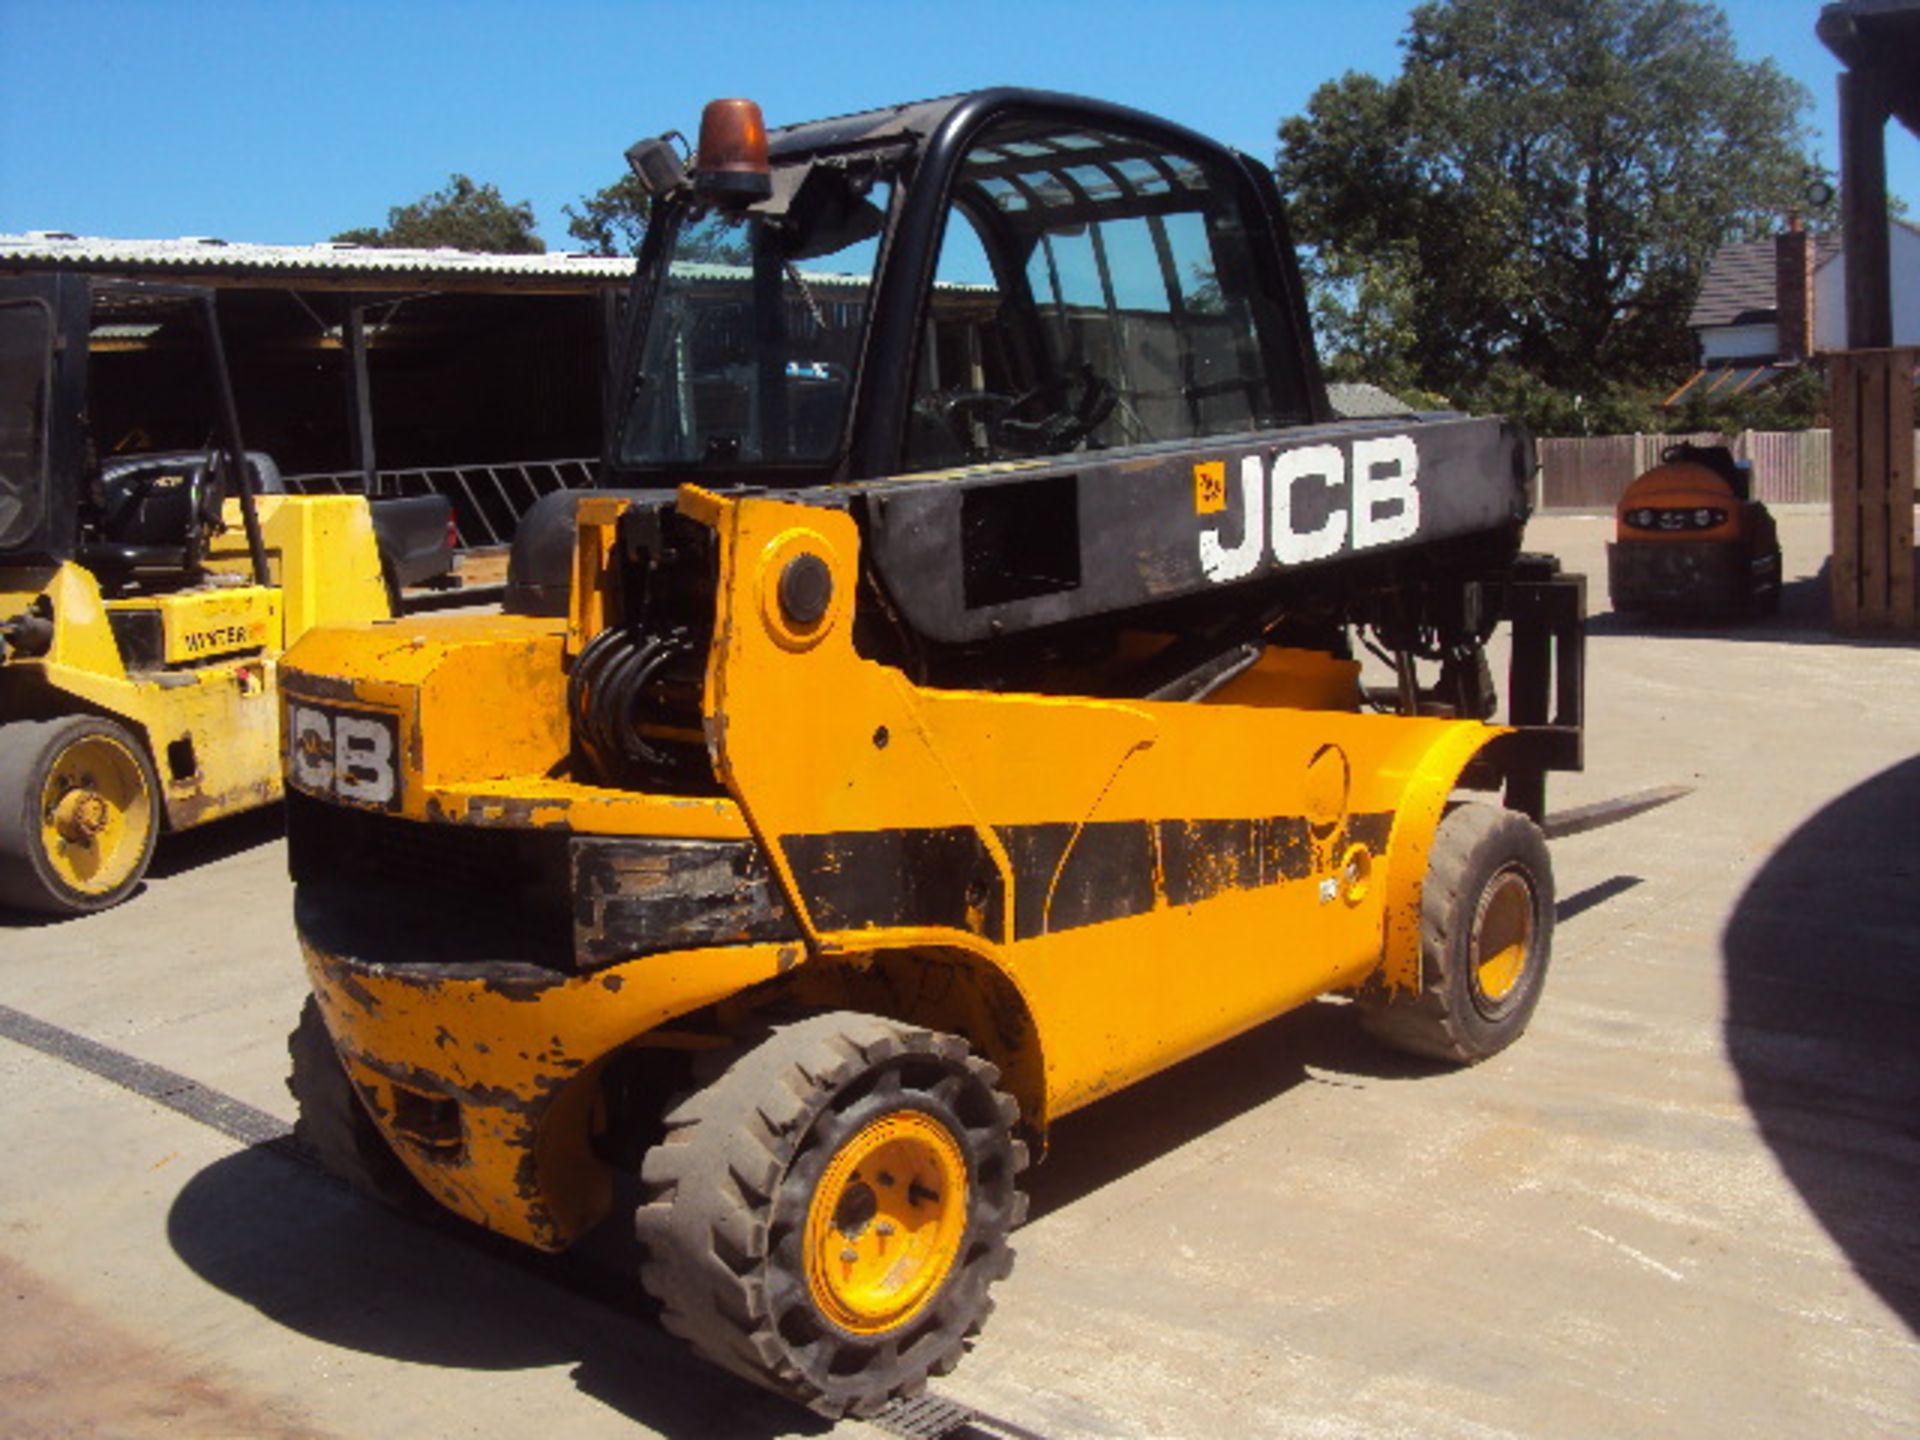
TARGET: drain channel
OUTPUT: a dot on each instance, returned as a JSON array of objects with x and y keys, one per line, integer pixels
[{"x": 215, "y": 1109}]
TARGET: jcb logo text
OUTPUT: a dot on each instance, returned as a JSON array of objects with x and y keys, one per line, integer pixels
[{"x": 1310, "y": 504}]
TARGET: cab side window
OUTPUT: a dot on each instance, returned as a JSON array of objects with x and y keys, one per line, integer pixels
[{"x": 1093, "y": 291}]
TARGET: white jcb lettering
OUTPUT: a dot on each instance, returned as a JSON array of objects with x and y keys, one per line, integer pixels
[
  {"x": 310, "y": 748},
  {"x": 1311, "y": 503},
  {"x": 363, "y": 760},
  {"x": 1383, "y": 476},
  {"x": 350, "y": 756},
  {"x": 1293, "y": 470},
  {"x": 1222, "y": 564}
]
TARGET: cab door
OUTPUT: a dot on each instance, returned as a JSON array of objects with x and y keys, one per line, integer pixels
[{"x": 42, "y": 385}]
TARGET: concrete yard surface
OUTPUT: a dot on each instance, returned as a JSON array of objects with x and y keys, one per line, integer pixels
[{"x": 1687, "y": 1203}]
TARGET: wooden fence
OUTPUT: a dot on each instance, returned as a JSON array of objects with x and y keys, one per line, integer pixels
[
  {"x": 1790, "y": 467},
  {"x": 1873, "y": 491}
]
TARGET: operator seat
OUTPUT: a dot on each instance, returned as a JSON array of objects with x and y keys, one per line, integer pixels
[{"x": 155, "y": 512}]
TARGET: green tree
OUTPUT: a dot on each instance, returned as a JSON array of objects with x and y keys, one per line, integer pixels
[
  {"x": 464, "y": 214},
  {"x": 1537, "y": 193},
  {"x": 611, "y": 220}
]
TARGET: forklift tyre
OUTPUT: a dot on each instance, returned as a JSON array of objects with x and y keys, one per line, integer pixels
[
  {"x": 334, "y": 1126},
  {"x": 827, "y": 1211},
  {"x": 1486, "y": 933},
  {"x": 79, "y": 814}
]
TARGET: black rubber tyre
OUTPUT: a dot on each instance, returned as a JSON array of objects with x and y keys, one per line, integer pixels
[
  {"x": 333, "y": 1122},
  {"x": 758, "y": 1168},
  {"x": 93, "y": 857},
  {"x": 1486, "y": 933},
  {"x": 1768, "y": 603}
]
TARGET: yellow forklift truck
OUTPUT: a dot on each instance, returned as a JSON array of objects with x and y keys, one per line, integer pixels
[
  {"x": 950, "y": 712},
  {"x": 145, "y": 593}
]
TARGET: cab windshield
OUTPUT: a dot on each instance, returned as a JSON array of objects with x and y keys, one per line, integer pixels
[{"x": 754, "y": 334}]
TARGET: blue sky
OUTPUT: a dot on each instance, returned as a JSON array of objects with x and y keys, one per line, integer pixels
[{"x": 285, "y": 122}]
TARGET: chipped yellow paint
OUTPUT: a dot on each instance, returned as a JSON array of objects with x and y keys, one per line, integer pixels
[
  {"x": 810, "y": 739},
  {"x": 490, "y": 764},
  {"x": 520, "y": 1054}
]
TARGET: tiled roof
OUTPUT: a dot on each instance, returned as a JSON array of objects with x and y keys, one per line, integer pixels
[{"x": 1739, "y": 288}]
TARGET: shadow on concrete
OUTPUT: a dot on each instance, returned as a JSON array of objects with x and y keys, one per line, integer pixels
[
  {"x": 1318, "y": 1044},
  {"x": 216, "y": 841},
  {"x": 1568, "y": 906},
  {"x": 1805, "y": 618},
  {"x": 313, "y": 1256},
  {"x": 1823, "y": 1016}
]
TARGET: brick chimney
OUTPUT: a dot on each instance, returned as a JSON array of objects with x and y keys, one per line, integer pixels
[{"x": 1793, "y": 290}]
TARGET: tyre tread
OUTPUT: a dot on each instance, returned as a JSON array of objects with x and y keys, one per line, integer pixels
[
  {"x": 708, "y": 1224},
  {"x": 1433, "y": 1023}
]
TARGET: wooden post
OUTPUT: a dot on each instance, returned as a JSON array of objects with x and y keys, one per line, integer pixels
[
  {"x": 1844, "y": 574},
  {"x": 1901, "y": 460},
  {"x": 1871, "y": 399},
  {"x": 1863, "y": 205}
]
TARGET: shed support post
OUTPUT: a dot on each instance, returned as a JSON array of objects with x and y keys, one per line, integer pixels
[{"x": 359, "y": 396}]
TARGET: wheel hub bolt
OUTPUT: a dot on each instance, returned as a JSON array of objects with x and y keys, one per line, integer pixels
[{"x": 80, "y": 815}]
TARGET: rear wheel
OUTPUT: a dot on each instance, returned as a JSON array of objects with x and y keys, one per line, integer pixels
[
  {"x": 1767, "y": 602},
  {"x": 79, "y": 814},
  {"x": 825, "y": 1215},
  {"x": 1486, "y": 932}
]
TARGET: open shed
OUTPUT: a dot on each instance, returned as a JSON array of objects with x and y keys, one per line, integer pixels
[{"x": 481, "y": 376}]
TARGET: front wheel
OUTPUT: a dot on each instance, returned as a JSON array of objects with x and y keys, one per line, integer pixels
[
  {"x": 1486, "y": 932},
  {"x": 79, "y": 814},
  {"x": 826, "y": 1213}
]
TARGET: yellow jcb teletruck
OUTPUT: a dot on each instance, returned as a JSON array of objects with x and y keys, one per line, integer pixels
[
  {"x": 950, "y": 712},
  {"x": 146, "y": 588}
]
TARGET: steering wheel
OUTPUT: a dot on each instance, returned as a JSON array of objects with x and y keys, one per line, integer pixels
[
  {"x": 1058, "y": 429},
  {"x": 960, "y": 410}
]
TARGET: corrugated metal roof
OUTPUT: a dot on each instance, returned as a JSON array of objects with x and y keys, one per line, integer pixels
[
  {"x": 198, "y": 255},
  {"x": 192, "y": 258},
  {"x": 1741, "y": 283}
]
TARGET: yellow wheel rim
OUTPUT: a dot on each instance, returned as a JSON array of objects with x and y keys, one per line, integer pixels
[
  {"x": 95, "y": 815},
  {"x": 1502, "y": 935},
  {"x": 886, "y": 1222}
]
